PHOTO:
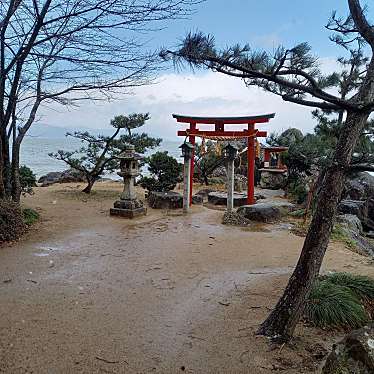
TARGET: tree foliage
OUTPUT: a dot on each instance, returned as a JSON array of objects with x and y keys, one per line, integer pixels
[
  {"x": 27, "y": 179},
  {"x": 165, "y": 172},
  {"x": 206, "y": 162},
  {"x": 99, "y": 152},
  {"x": 58, "y": 52}
]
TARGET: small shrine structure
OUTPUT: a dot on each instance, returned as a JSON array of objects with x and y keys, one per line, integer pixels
[
  {"x": 272, "y": 157},
  {"x": 273, "y": 171},
  {"x": 128, "y": 205},
  {"x": 220, "y": 133}
]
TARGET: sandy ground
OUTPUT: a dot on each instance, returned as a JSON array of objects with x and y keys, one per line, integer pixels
[{"x": 84, "y": 292}]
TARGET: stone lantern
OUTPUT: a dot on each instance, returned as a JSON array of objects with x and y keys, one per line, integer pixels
[
  {"x": 230, "y": 153},
  {"x": 128, "y": 205}
]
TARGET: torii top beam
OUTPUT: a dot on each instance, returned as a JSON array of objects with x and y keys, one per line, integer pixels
[{"x": 225, "y": 120}]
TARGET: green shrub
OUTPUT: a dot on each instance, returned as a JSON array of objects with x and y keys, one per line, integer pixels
[
  {"x": 30, "y": 216},
  {"x": 298, "y": 192},
  {"x": 12, "y": 224},
  {"x": 27, "y": 179},
  {"x": 340, "y": 300},
  {"x": 165, "y": 172}
]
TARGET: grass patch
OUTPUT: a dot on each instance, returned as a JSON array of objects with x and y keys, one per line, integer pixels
[
  {"x": 30, "y": 216},
  {"x": 341, "y": 300},
  {"x": 96, "y": 195},
  {"x": 297, "y": 213}
]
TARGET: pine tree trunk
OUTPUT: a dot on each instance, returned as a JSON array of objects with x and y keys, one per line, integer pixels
[
  {"x": 283, "y": 319},
  {"x": 90, "y": 183}
]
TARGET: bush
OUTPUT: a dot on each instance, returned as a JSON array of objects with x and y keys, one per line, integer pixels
[
  {"x": 12, "y": 224},
  {"x": 340, "y": 300},
  {"x": 165, "y": 172},
  {"x": 298, "y": 192},
  {"x": 27, "y": 179},
  {"x": 30, "y": 216}
]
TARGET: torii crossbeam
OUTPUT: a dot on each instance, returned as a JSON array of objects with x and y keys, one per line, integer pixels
[{"x": 219, "y": 133}]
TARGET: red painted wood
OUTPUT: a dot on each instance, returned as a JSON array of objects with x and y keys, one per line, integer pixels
[
  {"x": 192, "y": 140},
  {"x": 227, "y": 120},
  {"x": 266, "y": 155},
  {"x": 251, "y": 154},
  {"x": 259, "y": 134}
]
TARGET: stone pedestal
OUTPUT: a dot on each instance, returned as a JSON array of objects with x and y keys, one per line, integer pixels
[{"x": 128, "y": 208}]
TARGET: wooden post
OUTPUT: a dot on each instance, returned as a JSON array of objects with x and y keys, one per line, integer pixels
[
  {"x": 251, "y": 168},
  {"x": 186, "y": 185},
  {"x": 230, "y": 185},
  {"x": 192, "y": 162}
]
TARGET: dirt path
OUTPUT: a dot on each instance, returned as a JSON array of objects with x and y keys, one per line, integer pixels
[{"x": 87, "y": 293}]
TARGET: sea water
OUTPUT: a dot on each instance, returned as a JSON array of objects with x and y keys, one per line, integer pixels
[{"x": 35, "y": 153}]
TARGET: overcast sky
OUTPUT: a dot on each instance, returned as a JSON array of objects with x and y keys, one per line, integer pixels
[{"x": 263, "y": 24}]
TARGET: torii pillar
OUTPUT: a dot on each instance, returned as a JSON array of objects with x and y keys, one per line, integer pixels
[{"x": 251, "y": 167}]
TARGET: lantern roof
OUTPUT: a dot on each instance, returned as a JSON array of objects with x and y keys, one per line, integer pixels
[{"x": 129, "y": 154}]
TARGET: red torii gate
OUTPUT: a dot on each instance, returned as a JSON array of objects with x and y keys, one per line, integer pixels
[{"x": 219, "y": 133}]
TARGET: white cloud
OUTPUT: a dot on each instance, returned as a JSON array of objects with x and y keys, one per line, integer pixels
[{"x": 207, "y": 94}]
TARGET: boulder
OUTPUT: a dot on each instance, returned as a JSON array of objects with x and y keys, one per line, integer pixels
[
  {"x": 220, "y": 198},
  {"x": 270, "y": 211},
  {"x": 354, "y": 207},
  {"x": 354, "y": 354},
  {"x": 272, "y": 180},
  {"x": 359, "y": 186},
  {"x": 351, "y": 222},
  {"x": 205, "y": 192},
  {"x": 197, "y": 199},
  {"x": 66, "y": 176},
  {"x": 165, "y": 200}
]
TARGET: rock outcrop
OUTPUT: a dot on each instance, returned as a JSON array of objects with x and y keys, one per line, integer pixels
[
  {"x": 165, "y": 200},
  {"x": 220, "y": 198},
  {"x": 269, "y": 211},
  {"x": 354, "y": 354},
  {"x": 272, "y": 180},
  {"x": 66, "y": 176}
]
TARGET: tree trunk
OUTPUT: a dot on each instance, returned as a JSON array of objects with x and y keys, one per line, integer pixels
[
  {"x": 2, "y": 186},
  {"x": 16, "y": 183},
  {"x": 90, "y": 183},
  {"x": 282, "y": 321}
]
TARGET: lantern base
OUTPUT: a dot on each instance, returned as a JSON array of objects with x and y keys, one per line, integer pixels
[{"x": 128, "y": 209}]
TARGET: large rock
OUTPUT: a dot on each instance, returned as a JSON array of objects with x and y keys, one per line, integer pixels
[
  {"x": 353, "y": 229},
  {"x": 354, "y": 207},
  {"x": 272, "y": 180},
  {"x": 270, "y": 211},
  {"x": 353, "y": 355},
  {"x": 220, "y": 198},
  {"x": 350, "y": 222},
  {"x": 197, "y": 199},
  {"x": 66, "y": 176},
  {"x": 205, "y": 192},
  {"x": 165, "y": 200},
  {"x": 359, "y": 186}
]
